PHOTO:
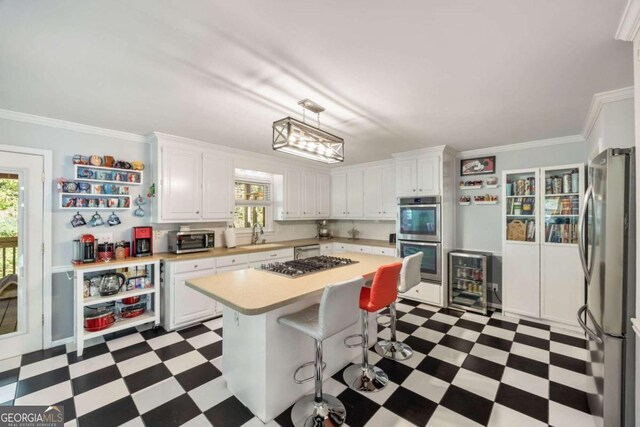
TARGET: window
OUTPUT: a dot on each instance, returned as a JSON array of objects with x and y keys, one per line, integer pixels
[{"x": 252, "y": 191}]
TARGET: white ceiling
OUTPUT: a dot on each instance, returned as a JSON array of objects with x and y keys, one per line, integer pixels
[{"x": 393, "y": 75}]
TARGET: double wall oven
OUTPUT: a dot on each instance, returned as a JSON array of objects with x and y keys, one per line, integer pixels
[{"x": 418, "y": 230}]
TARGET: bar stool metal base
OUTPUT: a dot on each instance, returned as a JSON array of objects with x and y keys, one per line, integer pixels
[
  {"x": 372, "y": 380},
  {"x": 307, "y": 413},
  {"x": 393, "y": 350}
]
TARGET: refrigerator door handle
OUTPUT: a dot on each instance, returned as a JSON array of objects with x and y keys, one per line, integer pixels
[
  {"x": 581, "y": 241},
  {"x": 589, "y": 332}
]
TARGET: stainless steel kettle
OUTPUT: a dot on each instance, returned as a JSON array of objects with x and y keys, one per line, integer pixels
[
  {"x": 323, "y": 231},
  {"x": 111, "y": 283}
]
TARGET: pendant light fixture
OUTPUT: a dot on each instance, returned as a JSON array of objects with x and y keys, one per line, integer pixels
[{"x": 301, "y": 139}]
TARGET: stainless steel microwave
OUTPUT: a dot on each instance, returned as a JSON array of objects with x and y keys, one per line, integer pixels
[{"x": 184, "y": 242}]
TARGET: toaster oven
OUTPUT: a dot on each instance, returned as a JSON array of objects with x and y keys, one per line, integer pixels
[{"x": 184, "y": 242}]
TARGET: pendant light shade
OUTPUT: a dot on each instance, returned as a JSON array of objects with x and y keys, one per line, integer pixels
[{"x": 298, "y": 138}]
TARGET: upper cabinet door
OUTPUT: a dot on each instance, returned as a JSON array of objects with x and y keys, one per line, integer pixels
[
  {"x": 429, "y": 176},
  {"x": 406, "y": 177},
  {"x": 373, "y": 192},
  {"x": 218, "y": 181},
  {"x": 339, "y": 195},
  {"x": 323, "y": 195},
  {"x": 309, "y": 194},
  {"x": 181, "y": 184},
  {"x": 389, "y": 202},
  {"x": 292, "y": 193},
  {"x": 355, "y": 194}
]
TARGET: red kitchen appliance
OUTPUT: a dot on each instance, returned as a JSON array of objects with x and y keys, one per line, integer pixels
[
  {"x": 142, "y": 241},
  {"x": 88, "y": 248}
]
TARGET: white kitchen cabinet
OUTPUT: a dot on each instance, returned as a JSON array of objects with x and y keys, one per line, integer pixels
[
  {"x": 232, "y": 260},
  {"x": 418, "y": 177},
  {"x": 195, "y": 184},
  {"x": 323, "y": 195},
  {"x": 350, "y": 247},
  {"x": 302, "y": 194},
  {"x": 232, "y": 268},
  {"x": 430, "y": 293},
  {"x": 218, "y": 200},
  {"x": 541, "y": 272},
  {"x": 406, "y": 177},
  {"x": 377, "y": 250},
  {"x": 355, "y": 194},
  {"x": 326, "y": 248},
  {"x": 183, "y": 306},
  {"x": 429, "y": 176},
  {"x": 339, "y": 195},
  {"x": 308, "y": 194},
  {"x": 292, "y": 194},
  {"x": 191, "y": 306},
  {"x": 181, "y": 184},
  {"x": 373, "y": 192},
  {"x": 389, "y": 201}
]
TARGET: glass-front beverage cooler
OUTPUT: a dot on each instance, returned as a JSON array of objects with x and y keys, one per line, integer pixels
[{"x": 469, "y": 280}]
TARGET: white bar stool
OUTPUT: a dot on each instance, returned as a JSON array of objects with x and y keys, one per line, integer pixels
[
  {"x": 320, "y": 321},
  {"x": 409, "y": 277}
]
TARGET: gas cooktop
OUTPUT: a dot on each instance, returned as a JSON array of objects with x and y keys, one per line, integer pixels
[{"x": 301, "y": 267}]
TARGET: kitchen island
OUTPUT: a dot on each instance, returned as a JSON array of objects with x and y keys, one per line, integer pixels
[{"x": 260, "y": 355}]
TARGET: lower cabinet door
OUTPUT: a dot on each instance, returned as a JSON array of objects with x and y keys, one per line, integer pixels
[
  {"x": 189, "y": 305},
  {"x": 430, "y": 293}
]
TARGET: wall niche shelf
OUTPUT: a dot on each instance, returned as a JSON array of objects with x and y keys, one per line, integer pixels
[{"x": 107, "y": 175}]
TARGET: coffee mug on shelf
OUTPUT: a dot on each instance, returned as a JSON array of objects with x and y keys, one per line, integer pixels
[
  {"x": 95, "y": 160},
  {"x": 108, "y": 161},
  {"x": 84, "y": 187}
]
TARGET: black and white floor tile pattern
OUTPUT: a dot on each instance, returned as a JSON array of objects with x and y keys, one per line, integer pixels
[{"x": 467, "y": 370}]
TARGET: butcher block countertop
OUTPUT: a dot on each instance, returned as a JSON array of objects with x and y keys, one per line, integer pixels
[
  {"x": 253, "y": 292},
  {"x": 270, "y": 246}
]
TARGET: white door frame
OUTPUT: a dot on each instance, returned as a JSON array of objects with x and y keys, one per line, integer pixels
[{"x": 47, "y": 296}]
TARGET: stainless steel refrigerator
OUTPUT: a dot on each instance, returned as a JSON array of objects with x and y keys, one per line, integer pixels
[{"x": 607, "y": 252}]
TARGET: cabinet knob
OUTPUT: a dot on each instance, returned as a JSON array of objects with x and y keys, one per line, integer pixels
[
  {"x": 414, "y": 190},
  {"x": 343, "y": 213},
  {"x": 197, "y": 212},
  {"x": 233, "y": 260},
  {"x": 421, "y": 189},
  {"x": 231, "y": 212},
  {"x": 195, "y": 266},
  {"x": 378, "y": 212},
  {"x": 304, "y": 213},
  {"x": 287, "y": 212}
]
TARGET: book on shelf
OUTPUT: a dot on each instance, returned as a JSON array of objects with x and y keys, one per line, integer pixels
[
  {"x": 520, "y": 206},
  {"x": 567, "y": 205},
  {"x": 562, "y": 233}
]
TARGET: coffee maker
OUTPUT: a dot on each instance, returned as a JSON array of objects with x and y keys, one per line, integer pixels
[
  {"x": 84, "y": 249},
  {"x": 323, "y": 231},
  {"x": 142, "y": 241}
]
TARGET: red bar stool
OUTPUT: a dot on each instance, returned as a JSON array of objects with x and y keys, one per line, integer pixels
[
  {"x": 383, "y": 292},
  {"x": 409, "y": 277}
]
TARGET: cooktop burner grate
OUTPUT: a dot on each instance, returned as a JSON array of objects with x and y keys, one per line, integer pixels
[{"x": 301, "y": 267}]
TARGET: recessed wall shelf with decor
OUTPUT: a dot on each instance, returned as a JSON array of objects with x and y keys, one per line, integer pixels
[{"x": 471, "y": 187}]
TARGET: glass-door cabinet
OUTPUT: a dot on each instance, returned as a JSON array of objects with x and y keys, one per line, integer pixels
[
  {"x": 561, "y": 204},
  {"x": 469, "y": 280},
  {"x": 520, "y": 195}
]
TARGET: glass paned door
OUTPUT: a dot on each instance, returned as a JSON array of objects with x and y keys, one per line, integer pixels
[
  {"x": 520, "y": 206},
  {"x": 9, "y": 219},
  {"x": 21, "y": 257},
  {"x": 562, "y": 199}
]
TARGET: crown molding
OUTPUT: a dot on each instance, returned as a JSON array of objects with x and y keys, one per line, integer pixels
[
  {"x": 630, "y": 22},
  {"x": 571, "y": 139},
  {"x": 597, "y": 102},
  {"x": 77, "y": 127}
]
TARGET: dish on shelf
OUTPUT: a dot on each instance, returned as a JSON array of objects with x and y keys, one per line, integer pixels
[{"x": 131, "y": 300}]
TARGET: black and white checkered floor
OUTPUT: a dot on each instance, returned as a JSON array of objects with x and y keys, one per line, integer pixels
[{"x": 467, "y": 370}]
